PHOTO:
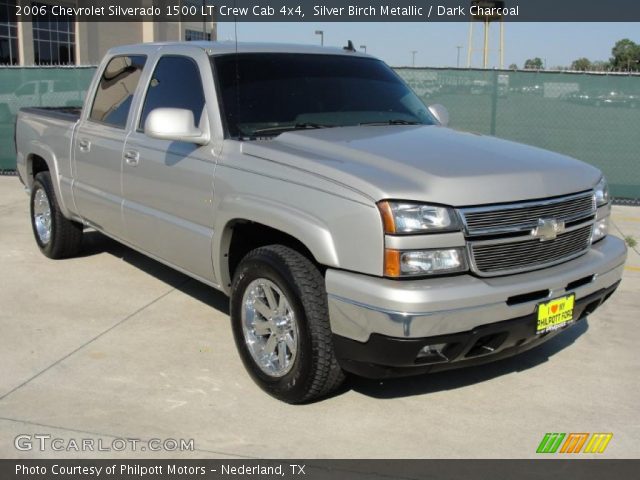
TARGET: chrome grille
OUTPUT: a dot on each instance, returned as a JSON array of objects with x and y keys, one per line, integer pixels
[
  {"x": 500, "y": 236},
  {"x": 530, "y": 254},
  {"x": 524, "y": 216}
]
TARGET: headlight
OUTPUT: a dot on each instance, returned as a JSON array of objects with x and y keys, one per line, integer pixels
[
  {"x": 424, "y": 262},
  {"x": 601, "y": 225},
  {"x": 601, "y": 192},
  {"x": 407, "y": 217}
]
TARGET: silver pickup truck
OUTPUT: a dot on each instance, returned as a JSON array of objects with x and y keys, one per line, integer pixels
[{"x": 351, "y": 229}]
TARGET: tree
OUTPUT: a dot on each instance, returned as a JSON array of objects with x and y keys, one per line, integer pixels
[
  {"x": 582, "y": 64},
  {"x": 601, "y": 66},
  {"x": 626, "y": 55},
  {"x": 533, "y": 64},
  {"x": 513, "y": 66}
]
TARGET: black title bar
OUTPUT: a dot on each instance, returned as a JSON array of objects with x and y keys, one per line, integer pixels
[
  {"x": 337, "y": 10},
  {"x": 583, "y": 469}
]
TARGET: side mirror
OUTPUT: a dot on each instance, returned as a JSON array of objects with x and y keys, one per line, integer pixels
[
  {"x": 441, "y": 114},
  {"x": 176, "y": 124}
]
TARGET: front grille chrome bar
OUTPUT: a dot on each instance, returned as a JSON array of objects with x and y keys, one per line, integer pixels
[
  {"x": 523, "y": 216},
  {"x": 500, "y": 237}
]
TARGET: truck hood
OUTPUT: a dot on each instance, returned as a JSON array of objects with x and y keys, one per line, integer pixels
[{"x": 428, "y": 163}]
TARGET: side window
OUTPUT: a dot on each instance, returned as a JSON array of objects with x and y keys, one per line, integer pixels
[
  {"x": 175, "y": 84},
  {"x": 116, "y": 88}
]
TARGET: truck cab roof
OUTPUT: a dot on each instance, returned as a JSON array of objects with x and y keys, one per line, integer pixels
[{"x": 227, "y": 47}]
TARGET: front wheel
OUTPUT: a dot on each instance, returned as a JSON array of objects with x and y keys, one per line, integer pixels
[{"x": 280, "y": 323}]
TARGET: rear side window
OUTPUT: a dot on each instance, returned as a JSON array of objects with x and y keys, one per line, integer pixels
[
  {"x": 175, "y": 84},
  {"x": 117, "y": 85}
]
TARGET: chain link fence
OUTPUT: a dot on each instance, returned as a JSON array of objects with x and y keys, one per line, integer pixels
[{"x": 593, "y": 117}]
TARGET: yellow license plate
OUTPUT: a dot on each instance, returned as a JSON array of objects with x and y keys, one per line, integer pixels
[{"x": 555, "y": 313}]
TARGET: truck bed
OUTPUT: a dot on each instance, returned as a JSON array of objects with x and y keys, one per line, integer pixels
[
  {"x": 70, "y": 114},
  {"x": 50, "y": 126}
]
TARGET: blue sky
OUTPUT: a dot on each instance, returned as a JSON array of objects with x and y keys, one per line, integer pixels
[{"x": 557, "y": 43}]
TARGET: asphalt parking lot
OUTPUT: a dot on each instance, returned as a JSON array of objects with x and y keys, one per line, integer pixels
[{"x": 114, "y": 345}]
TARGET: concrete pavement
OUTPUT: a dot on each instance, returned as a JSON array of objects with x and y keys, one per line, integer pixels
[{"x": 112, "y": 345}]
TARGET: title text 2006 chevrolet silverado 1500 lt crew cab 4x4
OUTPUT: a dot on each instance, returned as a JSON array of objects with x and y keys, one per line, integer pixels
[{"x": 352, "y": 230}]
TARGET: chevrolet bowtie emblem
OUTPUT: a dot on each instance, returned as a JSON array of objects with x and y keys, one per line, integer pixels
[{"x": 548, "y": 229}]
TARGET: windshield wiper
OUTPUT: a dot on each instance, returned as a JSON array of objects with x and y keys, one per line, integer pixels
[
  {"x": 289, "y": 128},
  {"x": 394, "y": 121}
]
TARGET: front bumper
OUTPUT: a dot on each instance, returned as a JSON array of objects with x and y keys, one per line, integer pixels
[
  {"x": 383, "y": 356},
  {"x": 366, "y": 312}
]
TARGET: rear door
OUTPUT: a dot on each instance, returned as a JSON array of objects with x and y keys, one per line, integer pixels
[
  {"x": 168, "y": 185},
  {"x": 99, "y": 144}
]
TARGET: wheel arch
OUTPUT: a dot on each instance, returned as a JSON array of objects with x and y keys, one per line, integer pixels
[
  {"x": 39, "y": 159},
  {"x": 264, "y": 223}
]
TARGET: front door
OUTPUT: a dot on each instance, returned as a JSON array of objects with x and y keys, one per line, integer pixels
[{"x": 168, "y": 185}]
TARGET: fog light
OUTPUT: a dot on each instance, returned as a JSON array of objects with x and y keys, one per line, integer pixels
[
  {"x": 600, "y": 229},
  {"x": 433, "y": 353}
]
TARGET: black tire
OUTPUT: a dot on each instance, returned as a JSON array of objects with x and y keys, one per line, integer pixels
[
  {"x": 315, "y": 371},
  {"x": 65, "y": 239}
]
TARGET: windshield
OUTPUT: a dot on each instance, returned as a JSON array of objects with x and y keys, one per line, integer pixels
[{"x": 269, "y": 93}]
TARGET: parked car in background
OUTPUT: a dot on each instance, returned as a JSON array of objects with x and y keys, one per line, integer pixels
[
  {"x": 535, "y": 89},
  {"x": 40, "y": 92},
  {"x": 604, "y": 98}
]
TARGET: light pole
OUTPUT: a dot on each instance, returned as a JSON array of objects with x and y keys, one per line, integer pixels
[
  {"x": 413, "y": 57},
  {"x": 204, "y": 23},
  {"x": 364, "y": 47},
  {"x": 321, "y": 33},
  {"x": 458, "y": 60}
]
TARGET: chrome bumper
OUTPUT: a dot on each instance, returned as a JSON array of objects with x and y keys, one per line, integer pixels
[{"x": 360, "y": 305}]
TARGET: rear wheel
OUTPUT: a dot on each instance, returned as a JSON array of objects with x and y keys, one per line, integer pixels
[
  {"x": 281, "y": 326},
  {"x": 56, "y": 236}
]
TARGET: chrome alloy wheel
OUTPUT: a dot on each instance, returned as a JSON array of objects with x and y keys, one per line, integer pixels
[
  {"x": 269, "y": 327},
  {"x": 42, "y": 216}
]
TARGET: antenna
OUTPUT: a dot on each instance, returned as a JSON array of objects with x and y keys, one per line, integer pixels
[
  {"x": 235, "y": 29},
  {"x": 349, "y": 46}
]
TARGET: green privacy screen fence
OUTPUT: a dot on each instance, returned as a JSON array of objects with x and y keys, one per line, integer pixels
[
  {"x": 593, "y": 117},
  {"x": 41, "y": 86}
]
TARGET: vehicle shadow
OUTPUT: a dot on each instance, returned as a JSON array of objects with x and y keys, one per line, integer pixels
[
  {"x": 460, "y": 378},
  {"x": 94, "y": 243}
]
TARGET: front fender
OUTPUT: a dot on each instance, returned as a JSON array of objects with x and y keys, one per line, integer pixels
[{"x": 306, "y": 228}]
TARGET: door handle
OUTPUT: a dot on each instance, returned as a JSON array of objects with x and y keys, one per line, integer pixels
[
  {"x": 132, "y": 157},
  {"x": 84, "y": 144}
]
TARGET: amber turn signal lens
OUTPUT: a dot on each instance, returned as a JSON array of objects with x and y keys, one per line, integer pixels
[
  {"x": 387, "y": 217},
  {"x": 391, "y": 263}
]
